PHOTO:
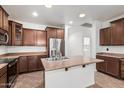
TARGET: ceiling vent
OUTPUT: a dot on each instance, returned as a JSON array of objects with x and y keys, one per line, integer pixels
[{"x": 86, "y": 25}]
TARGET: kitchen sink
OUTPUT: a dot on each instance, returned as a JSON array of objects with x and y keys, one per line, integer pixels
[{"x": 56, "y": 58}]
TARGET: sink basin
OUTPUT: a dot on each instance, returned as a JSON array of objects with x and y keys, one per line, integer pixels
[{"x": 56, "y": 59}]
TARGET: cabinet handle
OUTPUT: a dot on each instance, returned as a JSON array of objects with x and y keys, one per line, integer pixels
[
  {"x": 83, "y": 66},
  {"x": 66, "y": 69}
]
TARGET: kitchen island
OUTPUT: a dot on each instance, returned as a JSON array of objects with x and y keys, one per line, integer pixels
[{"x": 74, "y": 72}]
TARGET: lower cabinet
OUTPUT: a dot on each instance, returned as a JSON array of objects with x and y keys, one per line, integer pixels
[
  {"x": 22, "y": 65},
  {"x": 3, "y": 77},
  {"x": 101, "y": 66},
  {"x": 3, "y": 81},
  {"x": 113, "y": 66},
  {"x": 30, "y": 63},
  {"x": 110, "y": 65}
]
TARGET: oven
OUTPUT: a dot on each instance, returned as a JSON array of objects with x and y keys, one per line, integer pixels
[
  {"x": 11, "y": 72},
  {"x": 3, "y": 37}
]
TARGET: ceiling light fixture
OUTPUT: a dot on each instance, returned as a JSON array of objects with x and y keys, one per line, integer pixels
[
  {"x": 70, "y": 22},
  {"x": 82, "y": 15},
  {"x": 35, "y": 14},
  {"x": 48, "y": 6}
]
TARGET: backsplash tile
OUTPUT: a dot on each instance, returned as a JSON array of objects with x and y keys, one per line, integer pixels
[
  {"x": 3, "y": 49},
  {"x": 17, "y": 49}
]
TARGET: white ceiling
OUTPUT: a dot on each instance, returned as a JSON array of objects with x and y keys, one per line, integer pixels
[{"x": 62, "y": 14}]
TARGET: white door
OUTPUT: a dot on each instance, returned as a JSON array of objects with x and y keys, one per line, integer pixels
[{"x": 86, "y": 46}]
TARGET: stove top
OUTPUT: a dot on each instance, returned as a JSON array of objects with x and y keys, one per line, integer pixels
[{"x": 7, "y": 60}]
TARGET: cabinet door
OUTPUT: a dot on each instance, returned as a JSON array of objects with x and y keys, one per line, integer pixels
[
  {"x": 5, "y": 21},
  {"x": 60, "y": 33},
  {"x": 32, "y": 63},
  {"x": 102, "y": 36},
  {"x": 1, "y": 17},
  {"x": 118, "y": 32},
  {"x": 113, "y": 66},
  {"x": 41, "y": 38},
  {"x": 29, "y": 37},
  {"x": 23, "y": 65},
  {"x": 51, "y": 32},
  {"x": 40, "y": 66},
  {"x": 101, "y": 66},
  {"x": 105, "y": 36},
  {"x": 3, "y": 81}
]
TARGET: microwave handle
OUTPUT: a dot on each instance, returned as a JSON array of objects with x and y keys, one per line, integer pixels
[{"x": 7, "y": 38}]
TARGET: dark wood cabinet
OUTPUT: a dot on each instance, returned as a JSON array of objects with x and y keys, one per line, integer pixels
[
  {"x": 110, "y": 65},
  {"x": 55, "y": 33},
  {"x": 113, "y": 66},
  {"x": 60, "y": 33},
  {"x": 105, "y": 36},
  {"x": 29, "y": 37},
  {"x": 3, "y": 77},
  {"x": 113, "y": 35},
  {"x": 15, "y": 33},
  {"x": 51, "y": 32},
  {"x": 33, "y": 37},
  {"x": 41, "y": 38},
  {"x": 117, "y": 33},
  {"x": 23, "y": 65},
  {"x": 32, "y": 63},
  {"x": 3, "y": 19},
  {"x": 101, "y": 66},
  {"x": 3, "y": 81},
  {"x": 122, "y": 68},
  {"x": 39, "y": 63}
]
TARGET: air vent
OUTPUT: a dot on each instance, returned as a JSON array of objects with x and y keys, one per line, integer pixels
[{"x": 86, "y": 25}]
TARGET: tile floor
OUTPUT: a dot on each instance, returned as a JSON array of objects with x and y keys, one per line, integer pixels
[
  {"x": 30, "y": 80},
  {"x": 34, "y": 80}
]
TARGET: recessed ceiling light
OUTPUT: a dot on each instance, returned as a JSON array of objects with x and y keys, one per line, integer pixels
[
  {"x": 82, "y": 15},
  {"x": 35, "y": 14},
  {"x": 70, "y": 22},
  {"x": 48, "y": 6}
]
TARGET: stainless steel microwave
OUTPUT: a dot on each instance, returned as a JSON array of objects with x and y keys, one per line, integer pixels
[{"x": 3, "y": 37}]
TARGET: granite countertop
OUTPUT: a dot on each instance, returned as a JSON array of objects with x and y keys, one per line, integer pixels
[
  {"x": 66, "y": 63},
  {"x": 16, "y": 55},
  {"x": 2, "y": 65},
  {"x": 115, "y": 55}
]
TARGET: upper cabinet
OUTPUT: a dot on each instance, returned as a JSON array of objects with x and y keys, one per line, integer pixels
[
  {"x": 41, "y": 37},
  {"x": 105, "y": 36},
  {"x": 117, "y": 33},
  {"x": 29, "y": 37},
  {"x": 1, "y": 23},
  {"x": 51, "y": 32},
  {"x": 60, "y": 33},
  {"x": 3, "y": 19},
  {"x": 15, "y": 33},
  {"x": 55, "y": 33},
  {"x": 32, "y": 37},
  {"x": 113, "y": 35}
]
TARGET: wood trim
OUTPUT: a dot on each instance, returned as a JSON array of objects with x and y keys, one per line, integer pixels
[{"x": 4, "y": 10}]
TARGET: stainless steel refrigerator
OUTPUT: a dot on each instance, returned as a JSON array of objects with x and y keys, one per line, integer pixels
[{"x": 56, "y": 46}]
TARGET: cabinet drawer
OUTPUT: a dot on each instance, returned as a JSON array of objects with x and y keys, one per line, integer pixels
[
  {"x": 3, "y": 70},
  {"x": 3, "y": 81}
]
